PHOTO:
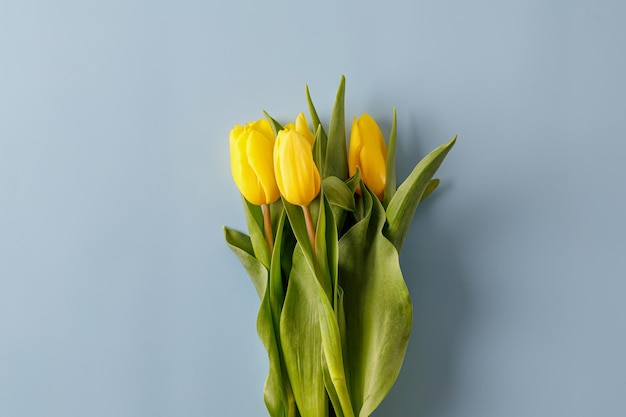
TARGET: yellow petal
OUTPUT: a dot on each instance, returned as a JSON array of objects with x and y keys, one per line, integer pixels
[
  {"x": 302, "y": 127},
  {"x": 368, "y": 151},
  {"x": 354, "y": 148},
  {"x": 262, "y": 126},
  {"x": 260, "y": 150},
  {"x": 251, "y": 160},
  {"x": 373, "y": 168},
  {"x": 296, "y": 174}
]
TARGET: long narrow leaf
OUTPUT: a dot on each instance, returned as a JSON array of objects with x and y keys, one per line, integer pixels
[
  {"x": 318, "y": 153},
  {"x": 408, "y": 196},
  {"x": 277, "y": 393},
  {"x": 331, "y": 390},
  {"x": 240, "y": 244},
  {"x": 254, "y": 219},
  {"x": 336, "y": 153},
  {"x": 333, "y": 356},
  {"x": 390, "y": 182},
  {"x": 277, "y": 127},
  {"x": 298, "y": 225},
  {"x": 322, "y": 141},
  {"x": 325, "y": 246}
]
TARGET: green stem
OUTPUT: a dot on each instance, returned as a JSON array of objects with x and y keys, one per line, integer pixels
[
  {"x": 309, "y": 227},
  {"x": 267, "y": 226}
]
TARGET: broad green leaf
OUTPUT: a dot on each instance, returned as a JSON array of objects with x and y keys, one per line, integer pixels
[
  {"x": 323, "y": 139},
  {"x": 377, "y": 308},
  {"x": 408, "y": 196},
  {"x": 301, "y": 338},
  {"x": 240, "y": 244},
  {"x": 254, "y": 219},
  {"x": 277, "y": 127},
  {"x": 315, "y": 286},
  {"x": 390, "y": 182},
  {"x": 336, "y": 153},
  {"x": 338, "y": 193}
]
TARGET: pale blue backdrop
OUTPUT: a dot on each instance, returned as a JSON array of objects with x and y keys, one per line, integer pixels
[{"x": 118, "y": 296}]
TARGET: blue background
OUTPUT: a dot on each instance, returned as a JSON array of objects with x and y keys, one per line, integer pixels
[{"x": 118, "y": 295}]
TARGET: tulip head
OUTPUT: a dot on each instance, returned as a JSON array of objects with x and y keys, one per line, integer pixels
[
  {"x": 296, "y": 174},
  {"x": 251, "y": 162},
  {"x": 368, "y": 152}
]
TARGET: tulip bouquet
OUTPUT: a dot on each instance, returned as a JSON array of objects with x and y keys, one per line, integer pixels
[{"x": 326, "y": 224}]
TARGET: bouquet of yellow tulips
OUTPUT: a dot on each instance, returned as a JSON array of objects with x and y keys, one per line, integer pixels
[{"x": 326, "y": 224}]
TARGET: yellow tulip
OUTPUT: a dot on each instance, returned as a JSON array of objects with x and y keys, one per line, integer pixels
[
  {"x": 296, "y": 174},
  {"x": 302, "y": 127},
  {"x": 368, "y": 152},
  {"x": 251, "y": 161}
]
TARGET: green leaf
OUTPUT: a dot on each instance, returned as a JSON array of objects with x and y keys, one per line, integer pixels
[
  {"x": 254, "y": 219},
  {"x": 301, "y": 338},
  {"x": 432, "y": 186},
  {"x": 277, "y": 393},
  {"x": 239, "y": 240},
  {"x": 336, "y": 153},
  {"x": 322, "y": 141},
  {"x": 241, "y": 246},
  {"x": 326, "y": 248},
  {"x": 336, "y": 383},
  {"x": 277, "y": 127},
  {"x": 276, "y": 290},
  {"x": 338, "y": 193},
  {"x": 340, "y": 313},
  {"x": 308, "y": 289},
  {"x": 390, "y": 183},
  {"x": 408, "y": 196},
  {"x": 298, "y": 225},
  {"x": 274, "y": 390},
  {"x": 276, "y": 211},
  {"x": 353, "y": 182},
  {"x": 377, "y": 308},
  {"x": 330, "y": 389},
  {"x": 317, "y": 151}
]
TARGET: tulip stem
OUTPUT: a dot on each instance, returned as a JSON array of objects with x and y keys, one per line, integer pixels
[
  {"x": 309, "y": 227},
  {"x": 267, "y": 225}
]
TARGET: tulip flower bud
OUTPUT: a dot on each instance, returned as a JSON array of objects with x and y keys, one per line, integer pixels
[
  {"x": 302, "y": 127},
  {"x": 296, "y": 174},
  {"x": 251, "y": 161},
  {"x": 368, "y": 152}
]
